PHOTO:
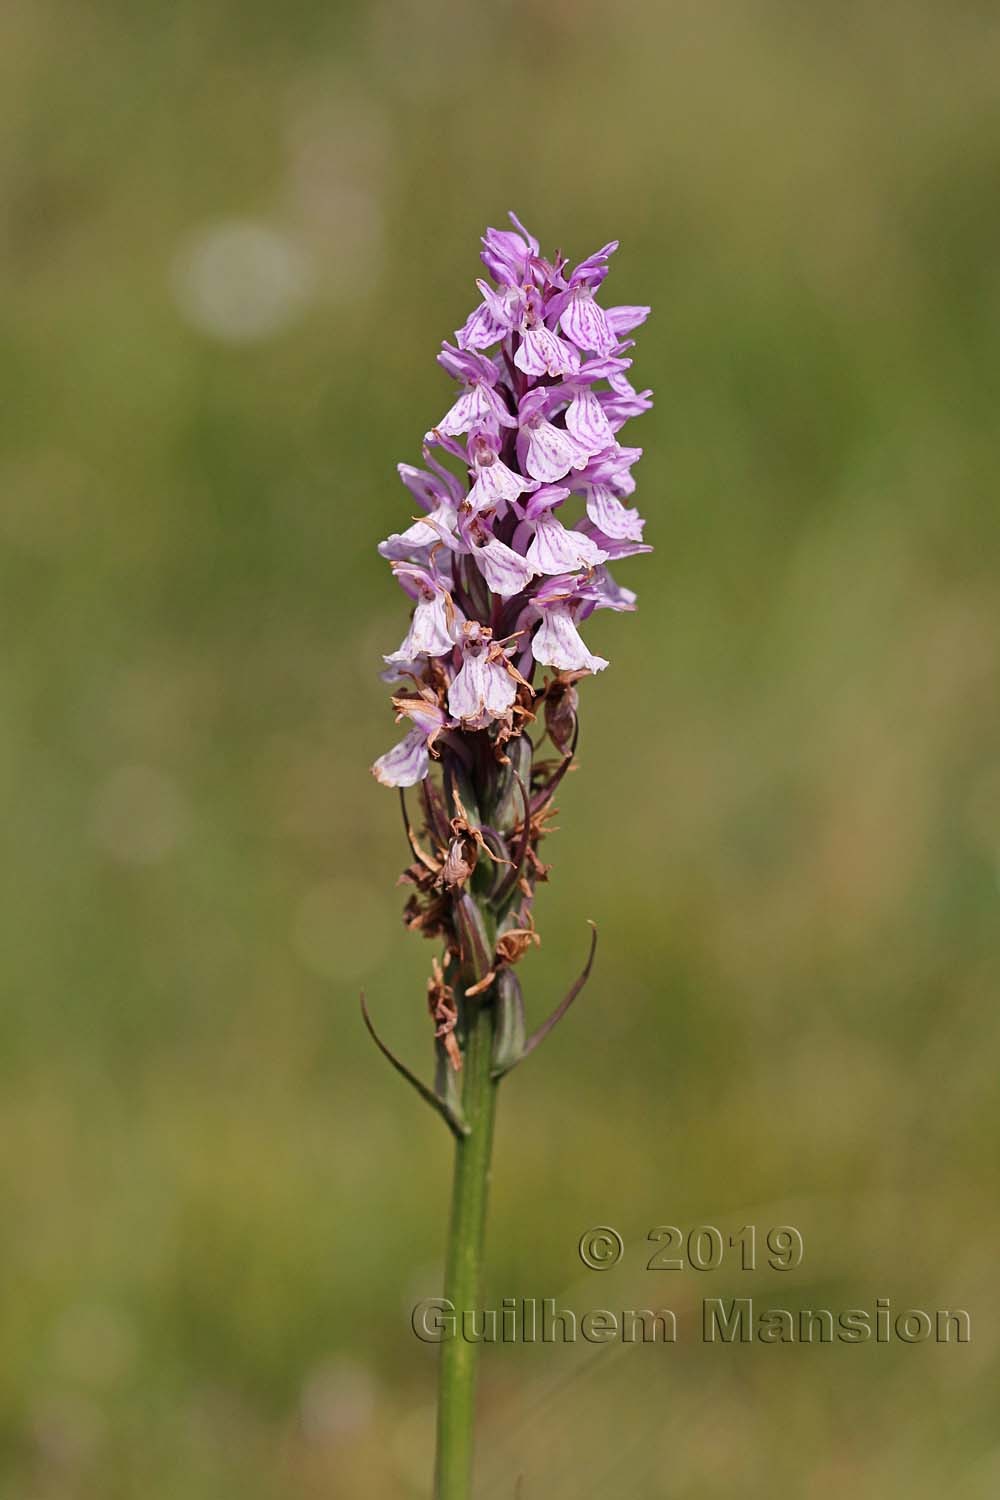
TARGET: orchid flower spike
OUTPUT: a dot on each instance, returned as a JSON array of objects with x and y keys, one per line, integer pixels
[{"x": 525, "y": 496}]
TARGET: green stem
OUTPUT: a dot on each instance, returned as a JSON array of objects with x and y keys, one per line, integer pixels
[{"x": 463, "y": 1274}]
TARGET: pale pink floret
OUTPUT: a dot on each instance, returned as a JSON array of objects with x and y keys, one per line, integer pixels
[
  {"x": 558, "y": 643},
  {"x": 479, "y": 404},
  {"x": 543, "y": 353},
  {"x": 494, "y": 484},
  {"x": 547, "y": 452},
  {"x": 507, "y": 572},
  {"x": 483, "y": 690},
  {"x": 435, "y": 617}
]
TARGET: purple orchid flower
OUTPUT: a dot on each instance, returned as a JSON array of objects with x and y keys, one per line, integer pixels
[
  {"x": 524, "y": 498},
  {"x": 479, "y": 401},
  {"x": 546, "y": 451},
  {"x": 494, "y": 484},
  {"x": 558, "y": 643},
  {"x": 483, "y": 688},
  {"x": 434, "y": 617}
]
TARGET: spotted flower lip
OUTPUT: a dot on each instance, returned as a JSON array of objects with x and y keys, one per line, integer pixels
[
  {"x": 558, "y": 643},
  {"x": 479, "y": 402},
  {"x": 494, "y": 483},
  {"x": 547, "y": 452},
  {"x": 541, "y": 352},
  {"x": 554, "y": 549},
  {"x": 435, "y": 615},
  {"x": 524, "y": 496},
  {"x": 587, "y": 422},
  {"x": 610, "y": 516},
  {"x": 584, "y": 323},
  {"x": 406, "y": 763},
  {"x": 505, "y": 570},
  {"x": 483, "y": 688}
]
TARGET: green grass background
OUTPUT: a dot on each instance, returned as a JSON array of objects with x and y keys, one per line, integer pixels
[{"x": 217, "y": 1202}]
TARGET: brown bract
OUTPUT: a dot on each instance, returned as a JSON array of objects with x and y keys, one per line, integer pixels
[
  {"x": 513, "y": 944},
  {"x": 441, "y": 1003},
  {"x": 452, "y": 842}
]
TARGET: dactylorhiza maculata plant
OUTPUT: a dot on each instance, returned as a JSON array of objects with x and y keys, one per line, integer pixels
[{"x": 502, "y": 577}]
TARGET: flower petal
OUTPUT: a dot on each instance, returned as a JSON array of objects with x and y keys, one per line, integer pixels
[
  {"x": 422, "y": 486},
  {"x": 554, "y": 549},
  {"x": 612, "y": 546},
  {"x": 495, "y": 483},
  {"x": 623, "y": 319},
  {"x": 473, "y": 406},
  {"x": 557, "y": 643},
  {"x": 611, "y": 595},
  {"x": 595, "y": 267},
  {"x": 406, "y": 763},
  {"x": 611, "y": 516},
  {"x": 419, "y": 537},
  {"x": 429, "y": 632},
  {"x": 552, "y": 452},
  {"x": 584, "y": 322},
  {"x": 586, "y": 421},
  {"x": 543, "y": 353},
  {"x": 505, "y": 570},
  {"x": 481, "y": 692}
]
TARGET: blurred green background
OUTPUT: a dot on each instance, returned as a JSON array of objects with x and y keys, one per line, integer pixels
[{"x": 232, "y": 238}]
